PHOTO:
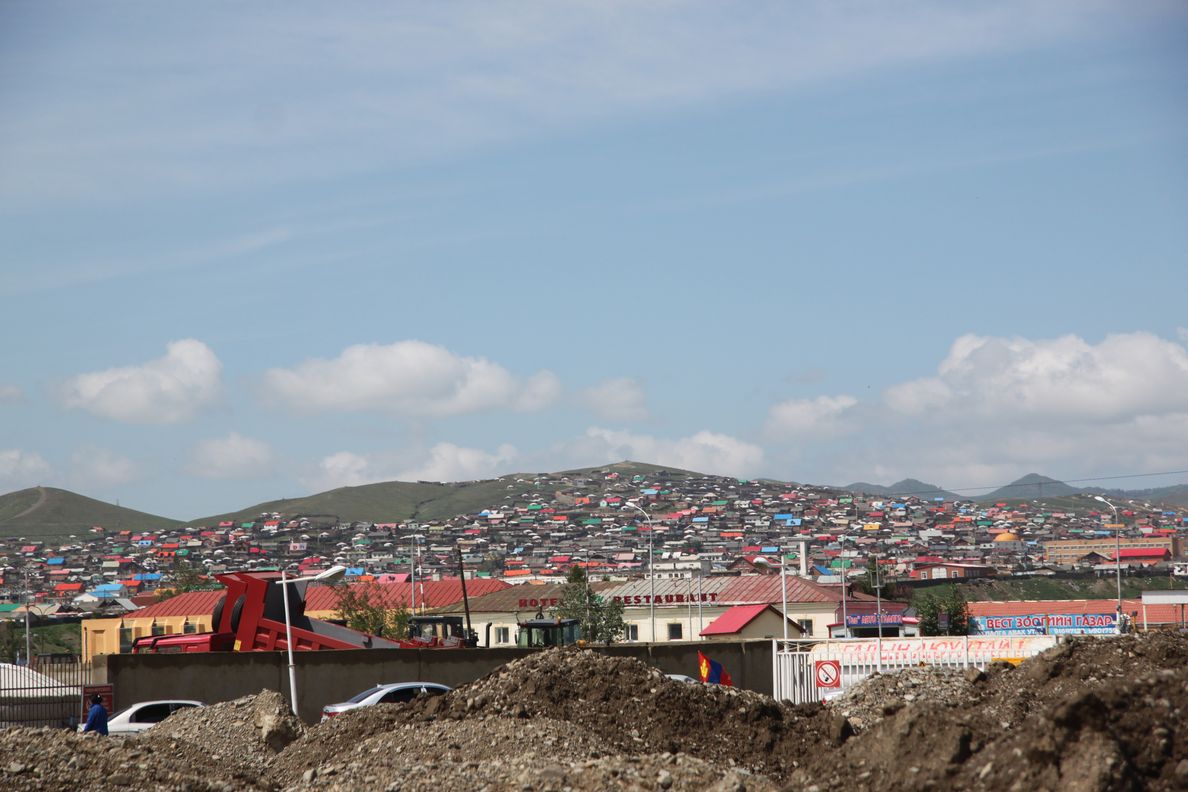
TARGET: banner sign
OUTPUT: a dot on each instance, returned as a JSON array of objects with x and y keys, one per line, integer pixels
[
  {"x": 949, "y": 650},
  {"x": 1045, "y": 624}
]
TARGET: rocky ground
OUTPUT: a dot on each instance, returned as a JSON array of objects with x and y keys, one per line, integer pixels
[{"x": 1091, "y": 715}]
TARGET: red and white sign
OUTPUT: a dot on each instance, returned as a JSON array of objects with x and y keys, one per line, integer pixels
[{"x": 828, "y": 673}]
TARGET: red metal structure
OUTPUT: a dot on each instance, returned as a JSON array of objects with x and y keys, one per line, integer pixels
[{"x": 251, "y": 617}]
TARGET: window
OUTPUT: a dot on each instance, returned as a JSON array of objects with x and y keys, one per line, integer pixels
[
  {"x": 632, "y": 632},
  {"x": 153, "y": 713},
  {"x": 806, "y": 625},
  {"x": 502, "y": 635},
  {"x": 400, "y": 696},
  {"x": 675, "y": 631}
]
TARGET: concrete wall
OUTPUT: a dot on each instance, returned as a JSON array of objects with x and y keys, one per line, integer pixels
[{"x": 332, "y": 676}]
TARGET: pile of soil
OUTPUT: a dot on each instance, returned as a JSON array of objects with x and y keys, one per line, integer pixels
[
  {"x": 41, "y": 760},
  {"x": 633, "y": 708},
  {"x": 1089, "y": 716},
  {"x": 885, "y": 694},
  {"x": 247, "y": 733}
]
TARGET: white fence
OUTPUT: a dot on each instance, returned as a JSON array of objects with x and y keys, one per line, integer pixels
[{"x": 805, "y": 671}]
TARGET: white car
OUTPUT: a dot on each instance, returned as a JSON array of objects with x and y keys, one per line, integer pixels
[
  {"x": 391, "y": 693},
  {"x": 139, "y": 717}
]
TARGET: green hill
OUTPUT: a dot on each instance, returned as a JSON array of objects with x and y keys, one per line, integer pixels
[
  {"x": 47, "y": 511},
  {"x": 908, "y": 486},
  {"x": 1033, "y": 485},
  {"x": 393, "y": 501}
]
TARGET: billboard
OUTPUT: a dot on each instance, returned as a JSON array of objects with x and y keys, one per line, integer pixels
[{"x": 1045, "y": 624}]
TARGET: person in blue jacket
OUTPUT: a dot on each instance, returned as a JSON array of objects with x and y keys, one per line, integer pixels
[{"x": 96, "y": 717}]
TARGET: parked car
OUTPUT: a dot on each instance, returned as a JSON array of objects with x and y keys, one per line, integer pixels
[
  {"x": 139, "y": 717},
  {"x": 683, "y": 678},
  {"x": 391, "y": 693}
]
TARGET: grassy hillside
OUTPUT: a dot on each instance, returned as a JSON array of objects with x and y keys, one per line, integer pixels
[
  {"x": 47, "y": 511},
  {"x": 392, "y": 501},
  {"x": 1042, "y": 588}
]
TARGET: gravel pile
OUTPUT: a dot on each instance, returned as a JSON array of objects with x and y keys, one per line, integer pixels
[
  {"x": 1089, "y": 716},
  {"x": 51, "y": 760},
  {"x": 636, "y": 709},
  {"x": 247, "y": 733},
  {"x": 648, "y": 772},
  {"x": 881, "y": 695},
  {"x": 363, "y": 741}
]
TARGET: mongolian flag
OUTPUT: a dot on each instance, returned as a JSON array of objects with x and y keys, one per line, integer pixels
[{"x": 711, "y": 671}]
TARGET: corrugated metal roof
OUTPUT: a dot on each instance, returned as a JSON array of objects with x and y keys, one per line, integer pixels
[
  {"x": 669, "y": 586},
  {"x": 1028, "y": 607},
  {"x": 766, "y": 588},
  {"x": 192, "y": 603},
  {"x": 734, "y": 619}
]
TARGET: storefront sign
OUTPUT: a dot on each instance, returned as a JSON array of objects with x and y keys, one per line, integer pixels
[
  {"x": 911, "y": 651},
  {"x": 667, "y": 599},
  {"x": 1045, "y": 624},
  {"x": 872, "y": 619}
]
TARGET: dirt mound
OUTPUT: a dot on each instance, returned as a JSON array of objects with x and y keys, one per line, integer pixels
[
  {"x": 394, "y": 772},
  {"x": 1088, "y": 716},
  {"x": 881, "y": 695},
  {"x": 246, "y": 733},
  {"x": 51, "y": 760},
  {"x": 635, "y": 709}
]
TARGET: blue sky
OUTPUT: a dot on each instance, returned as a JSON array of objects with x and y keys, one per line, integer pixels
[{"x": 259, "y": 251}]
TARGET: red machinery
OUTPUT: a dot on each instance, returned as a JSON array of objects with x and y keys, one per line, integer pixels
[{"x": 255, "y": 621}]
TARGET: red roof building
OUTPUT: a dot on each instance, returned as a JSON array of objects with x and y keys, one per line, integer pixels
[{"x": 751, "y": 621}]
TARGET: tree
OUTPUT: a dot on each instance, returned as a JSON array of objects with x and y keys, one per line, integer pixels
[
  {"x": 601, "y": 620},
  {"x": 945, "y": 613},
  {"x": 360, "y": 609},
  {"x": 186, "y": 577}
]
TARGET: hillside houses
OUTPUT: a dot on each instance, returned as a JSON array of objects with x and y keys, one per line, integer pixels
[{"x": 695, "y": 527}]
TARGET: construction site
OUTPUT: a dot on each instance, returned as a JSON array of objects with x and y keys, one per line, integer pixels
[{"x": 1089, "y": 714}]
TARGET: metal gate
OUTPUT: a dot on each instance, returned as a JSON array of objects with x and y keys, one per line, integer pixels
[
  {"x": 47, "y": 693},
  {"x": 796, "y": 663}
]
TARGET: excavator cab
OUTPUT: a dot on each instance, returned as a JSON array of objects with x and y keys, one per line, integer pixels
[
  {"x": 439, "y": 631},
  {"x": 548, "y": 632}
]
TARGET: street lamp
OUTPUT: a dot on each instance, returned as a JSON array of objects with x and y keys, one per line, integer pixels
[
  {"x": 761, "y": 561},
  {"x": 414, "y": 557},
  {"x": 331, "y": 574},
  {"x": 651, "y": 571},
  {"x": 1117, "y": 556}
]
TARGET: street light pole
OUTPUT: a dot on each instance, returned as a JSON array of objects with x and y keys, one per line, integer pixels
[
  {"x": 28, "y": 635},
  {"x": 784, "y": 589},
  {"x": 333, "y": 573},
  {"x": 651, "y": 567},
  {"x": 1117, "y": 557}
]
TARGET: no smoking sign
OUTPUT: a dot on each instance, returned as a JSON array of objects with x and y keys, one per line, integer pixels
[{"x": 828, "y": 673}]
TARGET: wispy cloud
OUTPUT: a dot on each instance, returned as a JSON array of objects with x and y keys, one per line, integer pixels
[{"x": 183, "y": 110}]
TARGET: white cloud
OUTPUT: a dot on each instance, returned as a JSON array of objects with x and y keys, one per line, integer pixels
[
  {"x": 704, "y": 452},
  {"x": 231, "y": 457},
  {"x": 21, "y": 469},
  {"x": 11, "y": 394},
  {"x": 443, "y": 462},
  {"x": 809, "y": 417},
  {"x": 410, "y": 378},
  {"x": 448, "y": 462},
  {"x": 100, "y": 467},
  {"x": 171, "y": 389},
  {"x": 1063, "y": 379},
  {"x": 999, "y": 408},
  {"x": 341, "y": 469},
  {"x": 621, "y": 400}
]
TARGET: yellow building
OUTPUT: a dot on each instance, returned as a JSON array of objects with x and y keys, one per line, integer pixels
[{"x": 185, "y": 613}]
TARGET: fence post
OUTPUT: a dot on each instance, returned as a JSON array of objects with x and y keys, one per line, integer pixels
[
  {"x": 775, "y": 670},
  {"x": 967, "y": 651}
]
